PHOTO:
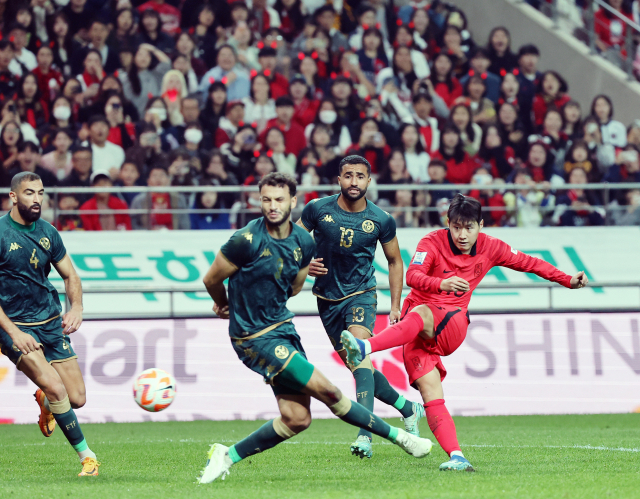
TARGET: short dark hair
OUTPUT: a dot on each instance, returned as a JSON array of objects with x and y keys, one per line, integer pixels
[
  {"x": 464, "y": 209},
  {"x": 29, "y": 144},
  {"x": 18, "y": 178},
  {"x": 6, "y": 43},
  {"x": 438, "y": 162},
  {"x": 528, "y": 49},
  {"x": 354, "y": 159},
  {"x": 277, "y": 179},
  {"x": 82, "y": 149},
  {"x": 97, "y": 118},
  {"x": 283, "y": 101}
]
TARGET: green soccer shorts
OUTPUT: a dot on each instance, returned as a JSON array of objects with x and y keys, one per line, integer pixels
[
  {"x": 276, "y": 355},
  {"x": 56, "y": 346},
  {"x": 356, "y": 310}
]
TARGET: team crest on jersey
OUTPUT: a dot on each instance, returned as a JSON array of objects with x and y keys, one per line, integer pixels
[
  {"x": 297, "y": 254},
  {"x": 368, "y": 226},
  {"x": 45, "y": 243},
  {"x": 328, "y": 218},
  {"x": 282, "y": 352},
  {"x": 478, "y": 271}
]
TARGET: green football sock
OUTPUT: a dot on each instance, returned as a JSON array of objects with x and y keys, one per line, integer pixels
[
  {"x": 260, "y": 440},
  {"x": 68, "y": 423},
  {"x": 389, "y": 396},
  {"x": 365, "y": 388},
  {"x": 363, "y": 418}
]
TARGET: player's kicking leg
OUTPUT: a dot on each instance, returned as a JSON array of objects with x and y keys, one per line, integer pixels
[
  {"x": 53, "y": 398},
  {"x": 372, "y": 383},
  {"x": 300, "y": 375}
]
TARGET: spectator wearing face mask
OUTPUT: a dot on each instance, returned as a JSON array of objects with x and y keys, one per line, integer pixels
[{"x": 340, "y": 138}]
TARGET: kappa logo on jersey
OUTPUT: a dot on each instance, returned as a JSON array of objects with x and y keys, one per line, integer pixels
[
  {"x": 368, "y": 226},
  {"x": 419, "y": 257},
  {"x": 14, "y": 246},
  {"x": 266, "y": 252},
  {"x": 248, "y": 236},
  {"x": 478, "y": 271},
  {"x": 45, "y": 243},
  {"x": 328, "y": 218},
  {"x": 282, "y": 352}
]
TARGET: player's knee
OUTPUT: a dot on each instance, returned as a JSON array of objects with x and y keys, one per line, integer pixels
[
  {"x": 331, "y": 394},
  {"x": 297, "y": 423},
  {"x": 54, "y": 389},
  {"x": 427, "y": 317},
  {"x": 77, "y": 400}
]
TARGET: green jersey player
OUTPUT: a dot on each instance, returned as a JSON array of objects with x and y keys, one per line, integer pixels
[
  {"x": 347, "y": 228},
  {"x": 266, "y": 263},
  {"x": 32, "y": 332}
]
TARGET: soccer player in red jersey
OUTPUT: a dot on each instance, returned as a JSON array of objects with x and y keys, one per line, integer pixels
[{"x": 447, "y": 266}]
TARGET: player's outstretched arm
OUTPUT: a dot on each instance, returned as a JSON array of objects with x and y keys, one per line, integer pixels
[
  {"x": 72, "y": 320},
  {"x": 296, "y": 285},
  {"x": 396, "y": 277},
  {"x": 220, "y": 270}
]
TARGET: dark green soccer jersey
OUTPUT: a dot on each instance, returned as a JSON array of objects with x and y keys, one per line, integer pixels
[
  {"x": 259, "y": 290},
  {"x": 347, "y": 244},
  {"x": 26, "y": 255}
]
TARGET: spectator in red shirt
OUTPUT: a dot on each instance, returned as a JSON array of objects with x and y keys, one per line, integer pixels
[
  {"x": 611, "y": 31},
  {"x": 267, "y": 58},
  {"x": 295, "y": 140},
  {"x": 460, "y": 166},
  {"x": 49, "y": 80},
  {"x": 169, "y": 15},
  {"x": 229, "y": 123},
  {"x": 305, "y": 108},
  {"x": 445, "y": 84},
  {"x": 104, "y": 202},
  {"x": 552, "y": 92}
]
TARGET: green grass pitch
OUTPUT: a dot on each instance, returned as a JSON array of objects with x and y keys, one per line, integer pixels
[{"x": 596, "y": 456}]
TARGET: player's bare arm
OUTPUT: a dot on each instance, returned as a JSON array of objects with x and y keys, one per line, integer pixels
[
  {"x": 298, "y": 282},
  {"x": 23, "y": 341},
  {"x": 316, "y": 267},
  {"x": 396, "y": 277},
  {"x": 220, "y": 270},
  {"x": 72, "y": 320}
]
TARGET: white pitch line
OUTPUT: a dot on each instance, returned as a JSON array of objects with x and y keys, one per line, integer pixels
[{"x": 207, "y": 442}]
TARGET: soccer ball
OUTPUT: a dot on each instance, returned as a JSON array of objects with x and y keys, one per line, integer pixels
[{"x": 154, "y": 390}]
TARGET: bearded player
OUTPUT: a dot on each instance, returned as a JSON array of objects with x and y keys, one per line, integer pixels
[
  {"x": 447, "y": 266},
  {"x": 347, "y": 228},
  {"x": 266, "y": 263},
  {"x": 32, "y": 332}
]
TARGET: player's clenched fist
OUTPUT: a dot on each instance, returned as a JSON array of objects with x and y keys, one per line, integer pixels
[
  {"x": 454, "y": 283},
  {"x": 222, "y": 312},
  {"x": 579, "y": 280},
  {"x": 24, "y": 342},
  {"x": 316, "y": 268}
]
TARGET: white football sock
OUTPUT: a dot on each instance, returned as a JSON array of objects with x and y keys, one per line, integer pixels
[
  {"x": 86, "y": 453},
  {"x": 457, "y": 453}
]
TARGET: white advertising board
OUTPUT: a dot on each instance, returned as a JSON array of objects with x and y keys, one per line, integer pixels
[
  {"x": 181, "y": 258},
  {"x": 509, "y": 364}
]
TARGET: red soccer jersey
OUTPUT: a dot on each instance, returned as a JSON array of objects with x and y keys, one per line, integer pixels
[{"x": 437, "y": 258}]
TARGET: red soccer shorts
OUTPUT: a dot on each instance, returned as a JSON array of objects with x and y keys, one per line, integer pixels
[{"x": 422, "y": 355}]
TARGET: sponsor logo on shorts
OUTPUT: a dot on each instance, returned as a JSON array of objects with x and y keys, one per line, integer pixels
[
  {"x": 416, "y": 363},
  {"x": 419, "y": 257},
  {"x": 282, "y": 352},
  {"x": 45, "y": 243},
  {"x": 368, "y": 226}
]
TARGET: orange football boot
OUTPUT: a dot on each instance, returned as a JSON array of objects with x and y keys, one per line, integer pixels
[{"x": 46, "y": 421}]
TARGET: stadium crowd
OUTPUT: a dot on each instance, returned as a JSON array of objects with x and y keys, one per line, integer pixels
[{"x": 205, "y": 92}]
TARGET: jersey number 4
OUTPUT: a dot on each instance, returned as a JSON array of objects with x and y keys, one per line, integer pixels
[
  {"x": 34, "y": 260},
  {"x": 346, "y": 238}
]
